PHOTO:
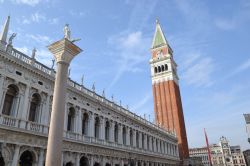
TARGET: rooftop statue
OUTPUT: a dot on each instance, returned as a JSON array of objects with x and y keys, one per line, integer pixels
[{"x": 11, "y": 38}]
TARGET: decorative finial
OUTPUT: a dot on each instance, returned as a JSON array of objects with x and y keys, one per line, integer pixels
[
  {"x": 112, "y": 97},
  {"x": 157, "y": 21},
  {"x": 149, "y": 117},
  {"x": 53, "y": 63},
  {"x": 93, "y": 87},
  {"x": 82, "y": 79},
  {"x": 144, "y": 116},
  {"x": 127, "y": 107},
  {"x": 33, "y": 53},
  {"x": 67, "y": 32},
  {"x": 103, "y": 93},
  {"x": 120, "y": 103},
  {"x": 11, "y": 38}
]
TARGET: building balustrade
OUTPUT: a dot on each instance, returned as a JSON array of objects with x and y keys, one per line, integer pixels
[{"x": 12, "y": 122}]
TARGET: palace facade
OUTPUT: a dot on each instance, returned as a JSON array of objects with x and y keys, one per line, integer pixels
[{"x": 97, "y": 131}]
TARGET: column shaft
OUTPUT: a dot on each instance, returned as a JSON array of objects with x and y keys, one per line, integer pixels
[{"x": 53, "y": 158}]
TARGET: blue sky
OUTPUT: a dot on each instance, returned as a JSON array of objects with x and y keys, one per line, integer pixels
[{"x": 210, "y": 39}]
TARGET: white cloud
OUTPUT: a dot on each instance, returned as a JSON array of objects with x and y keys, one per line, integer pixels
[
  {"x": 132, "y": 49},
  {"x": 225, "y": 24},
  {"x": 38, "y": 17},
  {"x": 42, "y": 39},
  {"x": 27, "y": 2},
  {"x": 1, "y": 1},
  {"x": 138, "y": 106},
  {"x": 244, "y": 66},
  {"x": 77, "y": 14},
  {"x": 198, "y": 70}
]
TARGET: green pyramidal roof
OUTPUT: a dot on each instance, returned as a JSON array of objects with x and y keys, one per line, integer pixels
[{"x": 159, "y": 38}]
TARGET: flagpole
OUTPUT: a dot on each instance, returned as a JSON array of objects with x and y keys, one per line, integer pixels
[{"x": 208, "y": 149}]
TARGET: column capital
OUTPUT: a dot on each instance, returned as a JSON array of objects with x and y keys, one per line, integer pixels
[{"x": 64, "y": 50}]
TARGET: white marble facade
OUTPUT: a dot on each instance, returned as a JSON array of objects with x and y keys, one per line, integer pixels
[{"x": 97, "y": 131}]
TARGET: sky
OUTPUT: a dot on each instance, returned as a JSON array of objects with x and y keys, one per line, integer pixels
[{"x": 210, "y": 39}]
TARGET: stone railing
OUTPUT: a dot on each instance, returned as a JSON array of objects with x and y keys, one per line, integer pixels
[
  {"x": 116, "y": 106},
  {"x": 9, "y": 121},
  {"x": 14, "y": 123},
  {"x": 28, "y": 60}
]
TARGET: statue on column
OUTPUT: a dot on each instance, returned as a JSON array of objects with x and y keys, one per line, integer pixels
[{"x": 67, "y": 32}]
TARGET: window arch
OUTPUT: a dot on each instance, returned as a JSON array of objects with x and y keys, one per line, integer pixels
[
  {"x": 107, "y": 128},
  {"x": 131, "y": 137},
  {"x": 34, "y": 107},
  {"x": 10, "y": 100},
  {"x": 162, "y": 68},
  {"x": 116, "y": 132},
  {"x": 97, "y": 127},
  {"x": 124, "y": 134},
  {"x": 142, "y": 137},
  {"x": 166, "y": 67},
  {"x": 148, "y": 142},
  {"x": 159, "y": 69},
  {"x": 157, "y": 150},
  {"x": 71, "y": 116},
  {"x": 85, "y": 120},
  {"x": 137, "y": 139},
  {"x": 155, "y": 69}
]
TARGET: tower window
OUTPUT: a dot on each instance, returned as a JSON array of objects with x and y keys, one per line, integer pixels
[
  {"x": 155, "y": 69},
  {"x": 159, "y": 69},
  {"x": 166, "y": 67},
  {"x": 162, "y": 68}
]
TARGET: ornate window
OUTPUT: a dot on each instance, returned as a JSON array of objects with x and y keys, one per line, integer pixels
[
  {"x": 85, "y": 120},
  {"x": 131, "y": 137},
  {"x": 10, "y": 100},
  {"x": 107, "y": 127},
  {"x": 34, "y": 107},
  {"x": 142, "y": 137},
  {"x": 124, "y": 133},
  {"x": 137, "y": 139},
  {"x": 71, "y": 117},
  {"x": 97, "y": 127},
  {"x": 162, "y": 68},
  {"x": 116, "y": 132}
]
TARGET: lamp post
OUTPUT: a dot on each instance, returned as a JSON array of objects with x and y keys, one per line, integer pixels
[{"x": 64, "y": 51}]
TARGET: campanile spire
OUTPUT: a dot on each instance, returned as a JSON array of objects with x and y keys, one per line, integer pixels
[{"x": 166, "y": 92}]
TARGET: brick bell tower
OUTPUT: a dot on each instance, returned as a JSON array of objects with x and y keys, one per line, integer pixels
[{"x": 167, "y": 99}]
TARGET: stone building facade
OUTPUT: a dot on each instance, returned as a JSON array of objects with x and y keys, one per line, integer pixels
[
  {"x": 222, "y": 154},
  {"x": 97, "y": 131}
]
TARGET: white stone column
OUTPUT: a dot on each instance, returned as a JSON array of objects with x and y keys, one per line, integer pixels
[
  {"x": 77, "y": 159},
  {"x": 154, "y": 145},
  {"x": 16, "y": 155},
  {"x": 145, "y": 141},
  {"x": 78, "y": 124},
  {"x": 64, "y": 51},
  {"x": 91, "y": 125},
  {"x": 66, "y": 111},
  {"x": 102, "y": 128},
  {"x": 134, "y": 138},
  {"x": 128, "y": 136},
  {"x": 111, "y": 131},
  {"x": 2, "y": 78},
  {"x": 41, "y": 157},
  {"x": 150, "y": 143},
  {"x": 140, "y": 140},
  {"x": 25, "y": 106},
  {"x": 120, "y": 134}
]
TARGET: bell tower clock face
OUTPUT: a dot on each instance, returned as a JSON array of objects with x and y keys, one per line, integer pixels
[{"x": 159, "y": 54}]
